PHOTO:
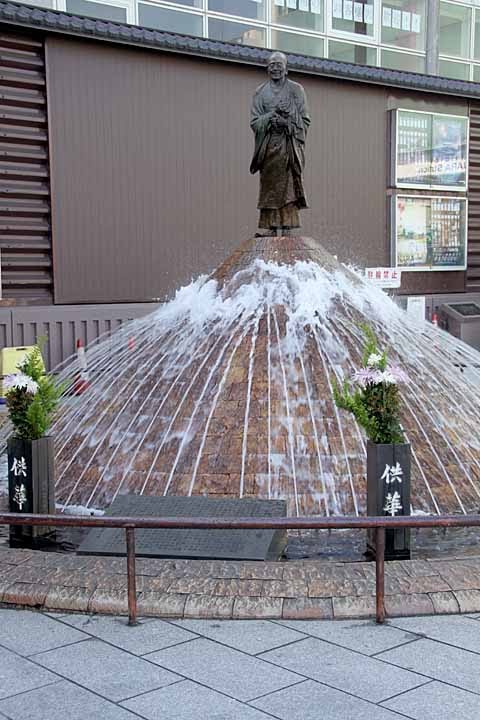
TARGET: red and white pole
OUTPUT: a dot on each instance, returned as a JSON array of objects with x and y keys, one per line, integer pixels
[{"x": 83, "y": 381}]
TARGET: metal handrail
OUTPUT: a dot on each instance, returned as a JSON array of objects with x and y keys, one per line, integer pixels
[{"x": 130, "y": 524}]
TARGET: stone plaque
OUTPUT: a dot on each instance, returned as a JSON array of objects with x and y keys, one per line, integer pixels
[{"x": 187, "y": 543}]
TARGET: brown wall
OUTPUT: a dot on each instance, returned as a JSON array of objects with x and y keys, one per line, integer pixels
[
  {"x": 149, "y": 165},
  {"x": 149, "y": 168}
]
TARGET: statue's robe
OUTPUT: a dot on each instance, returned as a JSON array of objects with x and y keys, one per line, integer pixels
[{"x": 280, "y": 153}]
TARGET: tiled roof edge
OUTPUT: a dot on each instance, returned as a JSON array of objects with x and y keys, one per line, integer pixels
[{"x": 60, "y": 22}]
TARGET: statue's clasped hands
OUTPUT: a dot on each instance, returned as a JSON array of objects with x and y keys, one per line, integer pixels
[
  {"x": 283, "y": 108},
  {"x": 279, "y": 122}
]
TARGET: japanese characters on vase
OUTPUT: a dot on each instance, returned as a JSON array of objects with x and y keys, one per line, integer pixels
[
  {"x": 19, "y": 470},
  {"x": 393, "y": 499}
]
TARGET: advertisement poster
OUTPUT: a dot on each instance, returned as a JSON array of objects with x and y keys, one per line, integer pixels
[
  {"x": 347, "y": 10},
  {"x": 431, "y": 150},
  {"x": 414, "y": 143},
  {"x": 449, "y": 151},
  {"x": 358, "y": 11},
  {"x": 368, "y": 14},
  {"x": 337, "y": 9},
  {"x": 430, "y": 233},
  {"x": 416, "y": 23},
  {"x": 406, "y": 21},
  {"x": 412, "y": 228},
  {"x": 387, "y": 17}
]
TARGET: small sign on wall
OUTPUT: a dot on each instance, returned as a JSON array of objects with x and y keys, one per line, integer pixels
[
  {"x": 416, "y": 308},
  {"x": 384, "y": 277}
]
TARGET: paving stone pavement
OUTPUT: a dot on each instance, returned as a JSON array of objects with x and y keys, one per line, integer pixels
[
  {"x": 296, "y": 590},
  {"x": 85, "y": 667}
]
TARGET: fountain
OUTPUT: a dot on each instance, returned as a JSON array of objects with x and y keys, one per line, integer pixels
[{"x": 226, "y": 391}]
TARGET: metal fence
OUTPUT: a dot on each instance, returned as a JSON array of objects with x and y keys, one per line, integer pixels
[
  {"x": 130, "y": 524},
  {"x": 63, "y": 325}
]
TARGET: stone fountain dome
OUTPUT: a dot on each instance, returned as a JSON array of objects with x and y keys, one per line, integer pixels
[{"x": 227, "y": 391}]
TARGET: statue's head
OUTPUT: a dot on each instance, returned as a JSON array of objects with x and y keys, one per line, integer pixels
[{"x": 277, "y": 66}]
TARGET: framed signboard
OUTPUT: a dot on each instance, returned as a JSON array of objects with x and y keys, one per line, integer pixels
[
  {"x": 429, "y": 150},
  {"x": 429, "y": 232}
]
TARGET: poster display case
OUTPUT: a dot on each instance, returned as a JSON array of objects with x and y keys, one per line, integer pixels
[
  {"x": 429, "y": 232},
  {"x": 429, "y": 150}
]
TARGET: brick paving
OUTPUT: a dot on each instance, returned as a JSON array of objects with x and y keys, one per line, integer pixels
[{"x": 302, "y": 589}]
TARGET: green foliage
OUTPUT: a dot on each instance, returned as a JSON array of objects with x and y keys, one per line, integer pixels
[
  {"x": 32, "y": 414},
  {"x": 375, "y": 405},
  {"x": 371, "y": 348}
]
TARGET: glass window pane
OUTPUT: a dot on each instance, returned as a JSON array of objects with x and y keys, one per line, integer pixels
[
  {"x": 403, "y": 23},
  {"x": 97, "y": 10},
  {"x": 476, "y": 73},
  {"x": 41, "y": 3},
  {"x": 244, "y": 8},
  {"x": 476, "y": 49},
  {"x": 402, "y": 61},
  {"x": 455, "y": 23},
  {"x": 235, "y": 32},
  {"x": 151, "y": 16},
  {"x": 303, "y": 44},
  {"x": 348, "y": 52},
  {"x": 352, "y": 16},
  {"x": 455, "y": 70},
  {"x": 307, "y": 14}
]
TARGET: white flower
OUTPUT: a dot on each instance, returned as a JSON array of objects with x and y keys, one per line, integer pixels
[
  {"x": 388, "y": 378},
  {"x": 20, "y": 381},
  {"x": 374, "y": 360}
]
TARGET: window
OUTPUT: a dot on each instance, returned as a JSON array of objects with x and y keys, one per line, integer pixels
[
  {"x": 169, "y": 20},
  {"x": 307, "y": 14},
  {"x": 353, "y": 17},
  {"x": 303, "y": 44},
  {"x": 476, "y": 73},
  {"x": 476, "y": 48},
  {"x": 235, "y": 32},
  {"x": 455, "y": 24},
  {"x": 97, "y": 10},
  {"x": 348, "y": 52},
  {"x": 244, "y": 8},
  {"x": 402, "y": 61},
  {"x": 41, "y": 3},
  {"x": 403, "y": 23},
  {"x": 454, "y": 70}
]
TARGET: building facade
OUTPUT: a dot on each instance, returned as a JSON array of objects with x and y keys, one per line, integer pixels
[
  {"x": 124, "y": 157},
  {"x": 439, "y": 36}
]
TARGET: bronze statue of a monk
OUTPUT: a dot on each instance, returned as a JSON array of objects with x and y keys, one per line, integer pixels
[{"x": 280, "y": 120}]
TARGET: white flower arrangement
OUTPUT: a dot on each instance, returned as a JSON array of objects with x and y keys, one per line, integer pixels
[
  {"x": 374, "y": 399},
  {"x": 31, "y": 397},
  {"x": 20, "y": 381}
]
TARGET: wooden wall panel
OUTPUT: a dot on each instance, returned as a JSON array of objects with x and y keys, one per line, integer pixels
[
  {"x": 150, "y": 155},
  {"x": 25, "y": 238}
]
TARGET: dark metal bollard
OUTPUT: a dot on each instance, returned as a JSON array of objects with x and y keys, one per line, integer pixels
[
  {"x": 131, "y": 577},
  {"x": 380, "y": 573}
]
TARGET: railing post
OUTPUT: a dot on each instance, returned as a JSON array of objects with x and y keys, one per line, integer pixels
[
  {"x": 380, "y": 573},
  {"x": 131, "y": 576}
]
